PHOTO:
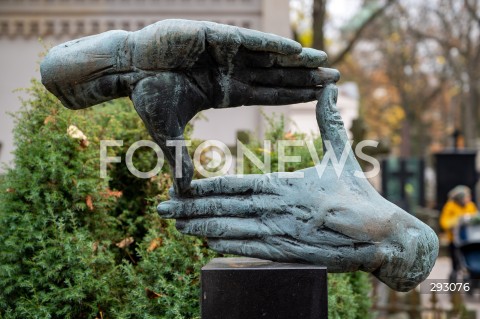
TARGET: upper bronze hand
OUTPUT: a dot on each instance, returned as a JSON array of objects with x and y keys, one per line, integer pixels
[{"x": 173, "y": 69}]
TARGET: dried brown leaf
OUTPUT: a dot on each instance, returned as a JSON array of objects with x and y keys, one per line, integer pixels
[
  {"x": 74, "y": 132},
  {"x": 125, "y": 242},
  {"x": 89, "y": 202},
  {"x": 84, "y": 143},
  {"x": 289, "y": 136},
  {"x": 109, "y": 193},
  {"x": 154, "y": 244},
  {"x": 152, "y": 294},
  {"x": 49, "y": 119}
]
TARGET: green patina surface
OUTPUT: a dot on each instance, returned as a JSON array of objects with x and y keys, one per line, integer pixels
[{"x": 175, "y": 68}]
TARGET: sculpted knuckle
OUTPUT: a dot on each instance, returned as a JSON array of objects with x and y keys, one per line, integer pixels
[{"x": 161, "y": 44}]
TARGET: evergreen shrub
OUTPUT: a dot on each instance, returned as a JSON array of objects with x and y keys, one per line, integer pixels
[{"x": 74, "y": 245}]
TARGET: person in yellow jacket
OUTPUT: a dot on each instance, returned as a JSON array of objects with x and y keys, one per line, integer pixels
[{"x": 459, "y": 204}]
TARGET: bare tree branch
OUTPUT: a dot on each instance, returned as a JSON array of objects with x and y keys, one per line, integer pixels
[
  {"x": 444, "y": 42},
  {"x": 351, "y": 43},
  {"x": 472, "y": 11}
]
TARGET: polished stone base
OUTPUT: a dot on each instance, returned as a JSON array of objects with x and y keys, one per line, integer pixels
[{"x": 249, "y": 288}]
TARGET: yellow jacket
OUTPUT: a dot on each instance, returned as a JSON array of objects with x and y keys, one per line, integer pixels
[{"x": 452, "y": 212}]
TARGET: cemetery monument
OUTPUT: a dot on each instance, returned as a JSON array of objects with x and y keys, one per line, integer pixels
[{"x": 174, "y": 69}]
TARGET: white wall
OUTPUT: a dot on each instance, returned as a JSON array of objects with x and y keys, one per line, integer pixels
[
  {"x": 223, "y": 124},
  {"x": 19, "y": 55},
  {"x": 19, "y": 49},
  {"x": 302, "y": 117},
  {"x": 18, "y": 65}
]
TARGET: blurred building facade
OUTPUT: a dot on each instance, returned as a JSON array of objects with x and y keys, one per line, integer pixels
[{"x": 24, "y": 22}]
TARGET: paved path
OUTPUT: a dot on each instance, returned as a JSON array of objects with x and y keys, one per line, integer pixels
[{"x": 440, "y": 271}]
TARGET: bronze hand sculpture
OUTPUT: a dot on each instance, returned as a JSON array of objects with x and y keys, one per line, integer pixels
[
  {"x": 337, "y": 221},
  {"x": 174, "y": 69}
]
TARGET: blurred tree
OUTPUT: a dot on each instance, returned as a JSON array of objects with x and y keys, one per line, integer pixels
[
  {"x": 405, "y": 92},
  {"x": 454, "y": 26},
  {"x": 417, "y": 66},
  {"x": 319, "y": 16},
  {"x": 353, "y": 32}
]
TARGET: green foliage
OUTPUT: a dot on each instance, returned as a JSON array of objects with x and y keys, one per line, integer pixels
[
  {"x": 74, "y": 245},
  {"x": 276, "y": 132},
  {"x": 66, "y": 233},
  {"x": 349, "y": 296}
]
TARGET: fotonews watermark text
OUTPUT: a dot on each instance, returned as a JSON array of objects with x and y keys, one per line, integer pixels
[{"x": 222, "y": 159}]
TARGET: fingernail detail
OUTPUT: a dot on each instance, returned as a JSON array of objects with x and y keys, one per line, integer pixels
[{"x": 165, "y": 209}]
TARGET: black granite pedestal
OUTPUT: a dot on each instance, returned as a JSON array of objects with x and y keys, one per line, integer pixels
[{"x": 248, "y": 288}]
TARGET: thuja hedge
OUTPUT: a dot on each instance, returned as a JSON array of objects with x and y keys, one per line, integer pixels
[{"x": 74, "y": 245}]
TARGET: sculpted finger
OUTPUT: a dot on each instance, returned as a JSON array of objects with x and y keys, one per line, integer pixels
[
  {"x": 273, "y": 248},
  {"x": 289, "y": 77},
  {"x": 236, "y": 185},
  {"x": 307, "y": 58},
  {"x": 330, "y": 254},
  {"x": 238, "y": 206},
  {"x": 260, "y": 41},
  {"x": 249, "y": 248},
  {"x": 180, "y": 163},
  {"x": 331, "y": 126},
  {"x": 297, "y": 250},
  {"x": 226, "y": 40},
  {"x": 244, "y": 94},
  {"x": 223, "y": 228}
]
